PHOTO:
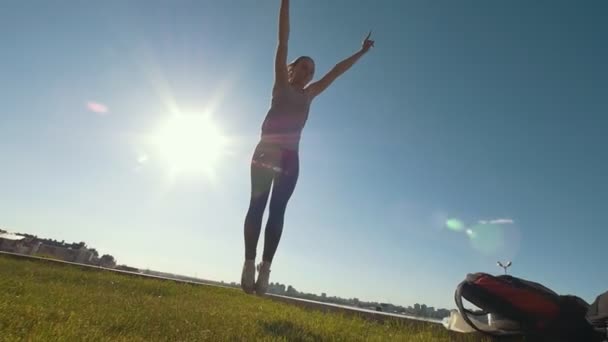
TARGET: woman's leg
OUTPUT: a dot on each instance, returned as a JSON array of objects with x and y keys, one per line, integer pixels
[
  {"x": 282, "y": 189},
  {"x": 261, "y": 181}
]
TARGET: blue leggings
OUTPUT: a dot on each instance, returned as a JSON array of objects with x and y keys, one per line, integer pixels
[{"x": 271, "y": 165}]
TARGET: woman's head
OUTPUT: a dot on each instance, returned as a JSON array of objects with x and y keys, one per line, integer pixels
[{"x": 301, "y": 71}]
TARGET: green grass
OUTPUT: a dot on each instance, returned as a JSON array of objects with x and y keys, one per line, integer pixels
[{"x": 48, "y": 301}]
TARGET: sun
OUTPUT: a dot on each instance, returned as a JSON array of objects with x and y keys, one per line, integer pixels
[{"x": 190, "y": 143}]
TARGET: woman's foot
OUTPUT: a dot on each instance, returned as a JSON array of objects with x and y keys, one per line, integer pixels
[
  {"x": 248, "y": 276},
  {"x": 261, "y": 285}
]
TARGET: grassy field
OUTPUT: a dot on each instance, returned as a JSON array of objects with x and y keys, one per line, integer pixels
[{"x": 48, "y": 301}]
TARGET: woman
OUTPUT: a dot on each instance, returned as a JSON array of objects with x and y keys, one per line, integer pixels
[{"x": 275, "y": 161}]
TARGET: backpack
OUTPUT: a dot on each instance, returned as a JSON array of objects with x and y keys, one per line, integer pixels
[
  {"x": 597, "y": 315},
  {"x": 529, "y": 308}
]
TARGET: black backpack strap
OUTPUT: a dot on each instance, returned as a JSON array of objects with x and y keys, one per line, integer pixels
[
  {"x": 464, "y": 313},
  {"x": 475, "y": 295}
]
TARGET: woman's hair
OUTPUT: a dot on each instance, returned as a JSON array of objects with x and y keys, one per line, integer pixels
[{"x": 291, "y": 65}]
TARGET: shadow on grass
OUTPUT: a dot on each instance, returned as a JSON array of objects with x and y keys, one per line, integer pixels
[{"x": 289, "y": 331}]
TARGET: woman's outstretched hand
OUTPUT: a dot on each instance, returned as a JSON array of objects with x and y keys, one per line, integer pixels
[
  {"x": 341, "y": 67},
  {"x": 367, "y": 43}
]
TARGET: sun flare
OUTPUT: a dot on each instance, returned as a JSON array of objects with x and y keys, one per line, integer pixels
[{"x": 190, "y": 143}]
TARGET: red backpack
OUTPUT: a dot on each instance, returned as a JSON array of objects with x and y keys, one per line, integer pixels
[{"x": 539, "y": 312}]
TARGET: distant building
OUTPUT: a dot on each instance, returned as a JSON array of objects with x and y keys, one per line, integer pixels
[
  {"x": 83, "y": 255},
  {"x": 18, "y": 244},
  {"x": 31, "y": 245},
  {"x": 56, "y": 252},
  {"x": 388, "y": 307}
]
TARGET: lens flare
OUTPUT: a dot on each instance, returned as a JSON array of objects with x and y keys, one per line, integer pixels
[
  {"x": 454, "y": 224},
  {"x": 488, "y": 239},
  {"x": 492, "y": 238},
  {"x": 98, "y": 108}
]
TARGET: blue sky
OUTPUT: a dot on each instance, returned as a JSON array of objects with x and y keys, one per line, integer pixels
[{"x": 476, "y": 112}]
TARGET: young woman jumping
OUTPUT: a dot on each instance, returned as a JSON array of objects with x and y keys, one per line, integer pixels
[{"x": 275, "y": 161}]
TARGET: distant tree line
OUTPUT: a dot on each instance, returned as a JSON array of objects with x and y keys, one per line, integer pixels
[{"x": 104, "y": 260}]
